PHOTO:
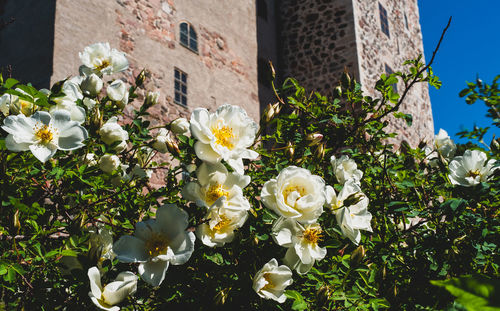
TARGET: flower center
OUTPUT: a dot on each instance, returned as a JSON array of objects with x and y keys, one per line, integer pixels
[
  {"x": 223, "y": 136},
  {"x": 270, "y": 283},
  {"x": 223, "y": 222},
  {"x": 214, "y": 192},
  {"x": 473, "y": 174},
  {"x": 313, "y": 235},
  {"x": 105, "y": 63},
  {"x": 156, "y": 245},
  {"x": 291, "y": 197},
  {"x": 44, "y": 133}
]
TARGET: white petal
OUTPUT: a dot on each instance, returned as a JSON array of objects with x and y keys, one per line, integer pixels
[
  {"x": 72, "y": 137},
  {"x": 102, "y": 306},
  {"x": 153, "y": 272},
  {"x": 42, "y": 152},
  {"x": 12, "y": 145},
  {"x": 130, "y": 249},
  {"x": 205, "y": 152},
  {"x": 95, "y": 281},
  {"x": 199, "y": 121}
]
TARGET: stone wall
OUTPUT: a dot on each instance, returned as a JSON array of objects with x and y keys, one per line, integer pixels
[
  {"x": 317, "y": 42},
  {"x": 224, "y": 69},
  {"x": 376, "y": 50}
]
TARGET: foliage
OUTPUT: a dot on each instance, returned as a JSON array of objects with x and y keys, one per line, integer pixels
[{"x": 424, "y": 227}]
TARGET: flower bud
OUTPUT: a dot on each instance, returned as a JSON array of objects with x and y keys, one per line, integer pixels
[
  {"x": 151, "y": 99},
  {"x": 495, "y": 145},
  {"x": 180, "y": 126},
  {"x": 160, "y": 143},
  {"x": 112, "y": 132},
  {"x": 141, "y": 77},
  {"x": 277, "y": 108},
  {"x": 191, "y": 168},
  {"x": 96, "y": 119},
  {"x": 90, "y": 159},
  {"x": 314, "y": 138},
  {"x": 173, "y": 148},
  {"x": 16, "y": 222},
  {"x": 268, "y": 113},
  {"x": 89, "y": 103},
  {"x": 117, "y": 91},
  {"x": 108, "y": 163},
  {"x": 320, "y": 151},
  {"x": 358, "y": 255},
  {"x": 91, "y": 85},
  {"x": 290, "y": 151}
]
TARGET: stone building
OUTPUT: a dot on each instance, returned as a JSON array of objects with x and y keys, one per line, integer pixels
[{"x": 209, "y": 52}]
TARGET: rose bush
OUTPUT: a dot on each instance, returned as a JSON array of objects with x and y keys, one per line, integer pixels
[{"x": 311, "y": 209}]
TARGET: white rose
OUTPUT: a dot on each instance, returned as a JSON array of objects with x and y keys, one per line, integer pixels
[
  {"x": 350, "y": 218},
  {"x": 113, "y": 293},
  {"x": 180, "y": 126},
  {"x": 152, "y": 98},
  {"x": 301, "y": 241},
  {"x": 108, "y": 163},
  {"x": 101, "y": 59},
  {"x": 214, "y": 181},
  {"x": 444, "y": 144},
  {"x": 345, "y": 169},
  {"x": 5, "y": 102},
  {"x": 270, "y": 281},
  {"x": 160, "y": 143},
  {"x": 471, "y": 168},
  {"x": 295, "y": 193},
  {"x": 118, "y": 92},
  {"x": 91, "y": 85},
  {"x": 112, "y": 132},
  {"x": 225, "y": 135}
]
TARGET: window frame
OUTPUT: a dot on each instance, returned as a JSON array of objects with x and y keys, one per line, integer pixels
[
  {"x": 384, "y": 20},
  {"x": 180, "y": 87},
  {"x": 190, "y": 41}
]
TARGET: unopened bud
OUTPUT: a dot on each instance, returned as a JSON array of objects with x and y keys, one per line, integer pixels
[
  {"x": 16, "y": 222},
  {"x": 345, "y": 80},
  {"x": 180, "y": 126},
  {"x": 276, "y": 108},
  {"x": 141, "y": 77},
  {"x": 173, "y": 148},
  {"x": 221, "y": 296},
  {"x": 268, "y": 113},
  {"x": 273, "y": 72},
  {"x": 337, "y": 91},
  {"x": 91, "y": 85},
  {"x": 290, "y": 151},
  {"x": 314, "y": 138},
  {"x": 358, "y": 255},
  {"x": 96, "y": 119},
  {"x": 152, "y": 99},
  {"x": 323, "y": 295},
  {"x": 495, "y": 145},
  {"x": 320, "y": 151}
]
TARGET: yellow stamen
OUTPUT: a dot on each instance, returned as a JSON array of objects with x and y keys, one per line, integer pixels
[
  {"x": 44, "y": 133},
  {"x": 290, "y": 189},
  {"x": 214, "y": 192},
  {"x": 473, "y": 174},
  {"x": 224, "y": 221},
  {"x": 313, "y": 235},
  {"x": 156, "y": 245},
  {"x": 223, "y": 135},
  {"x": 105, "y": 63},
  {"x": 270, "y": 284}
]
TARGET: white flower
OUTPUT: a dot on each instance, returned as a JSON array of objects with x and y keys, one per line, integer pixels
[
  {"x": 89, "y": 103},
  {"x": 19, "y": 105},
  {"x": 72, "y": 94},
  {"x": 91, "y": 85},
  {"x": 101, "y": 242},
  {"x": 471, "y": 168},
  {"x": 444, "y": 145},
  {"x": 180, "y": 126},
  {"x": 345, "y": 169},
  {"x": 90, "y": 159},
  {"x": 5, "y": 102},
  {"x": 108, "y": 163},
  {"x": 157, "y": 243},
  {"x": 101, "y": 59},
  {"x": 225, "y": 134},
  {"x": 43, "y": 133},
  {"x": 118, "y": 92},
  {"x": 353, "y": 217},
  {"x": 152, "y": 98},
  {"x": 295, "y": 193},
  {"x": 112, "y": 132},
  {"x": 214, "y": 181},
  {"x": 270, "y": 281},
  {"x": 222, "y": 222},
  {"x": 301, "y": 241},
  {"x": 113, "y": 293},
  {"x": 161, "y": 141}
]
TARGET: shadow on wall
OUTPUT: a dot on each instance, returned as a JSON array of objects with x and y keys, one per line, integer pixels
[{"x": 27, "y": 40}]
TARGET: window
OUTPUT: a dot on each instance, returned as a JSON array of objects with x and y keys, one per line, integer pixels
[
  {"x": 180, "y": 87},
  {"x": 262, "y": 9},
  {"x": 188, "y": 37},
  {"x": 406, "y": 21},
  {"x": 388, "y": 71},
  {"x": 384, "y": 23}
]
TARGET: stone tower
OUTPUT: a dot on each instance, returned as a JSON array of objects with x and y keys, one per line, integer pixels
[{"x": 210, "y": 52}]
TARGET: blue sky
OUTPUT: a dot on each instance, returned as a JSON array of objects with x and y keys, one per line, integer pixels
[{"x": 470, "y": 48}]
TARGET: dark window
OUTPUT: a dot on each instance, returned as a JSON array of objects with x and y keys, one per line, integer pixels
[
  {"x": 188, "y": 37},
  {"x": 262, "y": 9},
  {"x": 264, "y": 72},
  {"x": 389, "y": 71},
  {"x": 180, "y": 87},
  {"x": 406, "y": 21},
  {"x": 384, "y": 23}
]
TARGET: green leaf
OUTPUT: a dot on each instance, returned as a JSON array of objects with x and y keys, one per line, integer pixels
[
  {"x": 10, "y": 83},
  {"x": 299, "y": 303},
  {"x": 476, "y": 293}
]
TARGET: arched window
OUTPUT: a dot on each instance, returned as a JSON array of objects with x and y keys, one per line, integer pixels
[{"x": 188, "y": 37}]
